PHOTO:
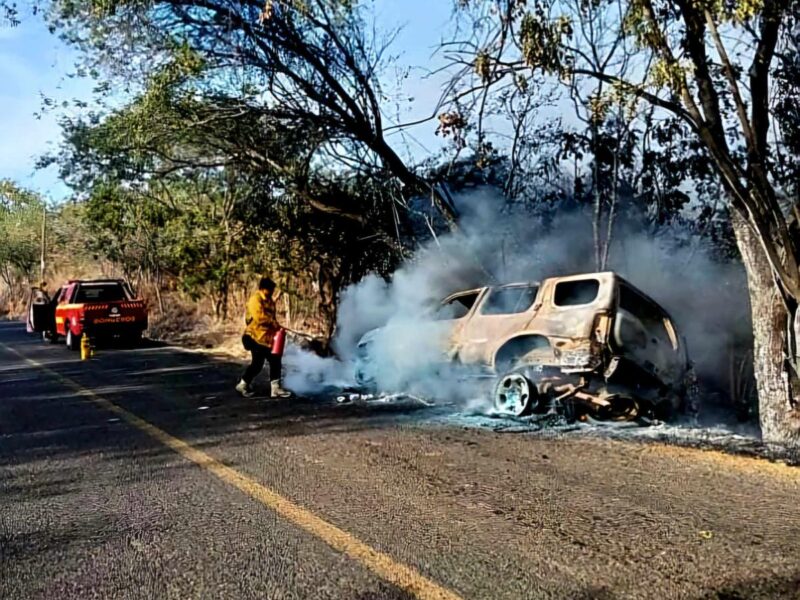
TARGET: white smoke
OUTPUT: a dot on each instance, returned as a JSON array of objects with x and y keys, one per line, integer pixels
[{"x": 707, "y": 299}]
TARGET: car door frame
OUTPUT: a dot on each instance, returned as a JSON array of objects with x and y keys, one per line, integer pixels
[
  {"x": 456, "y": 325},
  {"x": 663, "y": 359},
  {"x": 475, "y": 344},
  {"x": 63, "y": 307}
]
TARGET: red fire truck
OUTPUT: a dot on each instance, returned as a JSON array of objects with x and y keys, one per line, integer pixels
[{"x": 100, "y": 308}]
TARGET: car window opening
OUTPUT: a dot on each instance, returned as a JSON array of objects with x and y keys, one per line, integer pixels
[
  {"x": 457, "y": 308},
  {"x": 105, "y": 292},
  {"x": 576, "y": 293},
  {"x": 507, "y": 301}
]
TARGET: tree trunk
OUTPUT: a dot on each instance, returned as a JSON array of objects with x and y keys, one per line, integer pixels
[
  {"x": 770, "y": 350},
  {"x": 598, "y": 206}
]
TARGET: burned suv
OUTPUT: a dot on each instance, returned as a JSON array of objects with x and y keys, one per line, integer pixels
[{"x": 589, "y": 344}]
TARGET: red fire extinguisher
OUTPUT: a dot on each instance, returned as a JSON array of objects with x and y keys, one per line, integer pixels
[{"x": 279, "y": 342}]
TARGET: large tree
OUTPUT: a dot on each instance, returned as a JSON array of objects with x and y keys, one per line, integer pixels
[
  {"x": 711, "y": 66},
  {"x": 204, "y": 189},
  {"x": 316, "y": 62}
]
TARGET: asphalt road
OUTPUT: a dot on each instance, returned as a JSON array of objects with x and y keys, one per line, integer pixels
[{"x": 140, "y": 474}]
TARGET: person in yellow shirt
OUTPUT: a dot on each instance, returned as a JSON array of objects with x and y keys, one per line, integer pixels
[{"x": 261, "y": 326}]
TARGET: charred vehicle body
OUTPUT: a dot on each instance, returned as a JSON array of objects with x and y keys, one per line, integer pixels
[{"x": 588, "y": 344}]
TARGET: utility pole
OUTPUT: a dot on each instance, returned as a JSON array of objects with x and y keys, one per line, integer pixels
[{"x": 44, "y": 243}]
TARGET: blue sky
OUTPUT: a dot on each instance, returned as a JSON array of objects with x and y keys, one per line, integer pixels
[{"x": 34, "y": 62}]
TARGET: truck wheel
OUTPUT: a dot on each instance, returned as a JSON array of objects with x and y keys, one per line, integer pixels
[{"x": 73, "y": 341}]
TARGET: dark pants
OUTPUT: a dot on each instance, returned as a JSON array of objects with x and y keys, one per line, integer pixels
[{"x": 258, "y": 356}]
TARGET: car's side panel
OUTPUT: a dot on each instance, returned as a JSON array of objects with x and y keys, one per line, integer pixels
[
  {"x": 572, "y": 322},
  {"x": 456, "y": 334},
  {"x": 479, "y": 335},
  {"x": 568, "y": 328}
]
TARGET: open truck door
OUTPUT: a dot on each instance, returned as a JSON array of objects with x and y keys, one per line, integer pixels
[{"x": 41, "y": 313}]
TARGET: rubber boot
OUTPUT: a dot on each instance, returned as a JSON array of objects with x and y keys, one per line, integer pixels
[
  {"x": 244, "y": 389},
  {"x": 278, "y": 391}
]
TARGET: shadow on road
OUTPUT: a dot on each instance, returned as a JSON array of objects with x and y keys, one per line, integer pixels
[
  {"x": 766, "y": 588},
  {"x": 188, "y": 394}
]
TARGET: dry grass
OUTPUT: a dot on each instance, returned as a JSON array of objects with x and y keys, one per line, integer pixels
[
  {"x": 14, "y": 300},
  {"x": 192, "y": 324}
]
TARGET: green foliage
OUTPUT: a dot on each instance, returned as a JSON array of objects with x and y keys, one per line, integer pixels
[
  {"x": 181, "y": 229},
  {"x": 9, "y": 14},
  {"x": 542, "y": 39},
  {"x": 208, "y": 191},
  {"x": 21, "y": 214}
]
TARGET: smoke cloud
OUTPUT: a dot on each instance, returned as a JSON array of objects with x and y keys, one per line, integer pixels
[{"x": 706, "y": 298}]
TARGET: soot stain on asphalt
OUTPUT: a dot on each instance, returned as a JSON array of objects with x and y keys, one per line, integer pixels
[{"x": 731, "y": 439}]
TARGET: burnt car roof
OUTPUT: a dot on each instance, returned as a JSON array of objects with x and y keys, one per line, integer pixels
[{"x": 564, "y": 277}]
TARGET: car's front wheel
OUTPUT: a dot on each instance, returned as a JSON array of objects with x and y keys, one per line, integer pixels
[
  {"x": 73, "y": 341},
  {"x": 364, "y": 375}
]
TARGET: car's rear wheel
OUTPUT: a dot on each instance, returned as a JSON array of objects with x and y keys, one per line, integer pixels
[
  {"x": 73, "y": 341},
  {"x": 515, "y": 395}
]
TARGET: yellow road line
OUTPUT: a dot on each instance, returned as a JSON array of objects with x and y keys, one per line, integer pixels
[{"x": 379, "y": 563}]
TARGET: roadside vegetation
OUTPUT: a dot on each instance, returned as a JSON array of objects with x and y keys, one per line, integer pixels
[{"x": 254, "y": 137}]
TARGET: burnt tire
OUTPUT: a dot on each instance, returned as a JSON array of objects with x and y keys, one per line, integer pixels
[
  {"x": 515, "y": 395},
  {"x": 622, "y": 409},
  {"x": 73, "y": 341}
]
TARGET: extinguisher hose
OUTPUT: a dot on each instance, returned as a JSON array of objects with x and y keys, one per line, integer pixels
[{"x": 299, "y": 333}]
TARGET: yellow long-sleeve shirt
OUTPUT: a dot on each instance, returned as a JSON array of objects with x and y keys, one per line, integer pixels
[{"x": 260, "y": 320}]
